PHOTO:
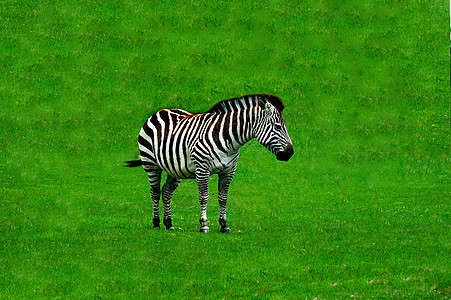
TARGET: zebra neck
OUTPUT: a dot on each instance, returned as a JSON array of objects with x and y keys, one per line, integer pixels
[{"x": 241, "y": 126}]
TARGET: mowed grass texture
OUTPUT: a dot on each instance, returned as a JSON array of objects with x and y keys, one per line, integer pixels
[{"x": 361, "y": 210}]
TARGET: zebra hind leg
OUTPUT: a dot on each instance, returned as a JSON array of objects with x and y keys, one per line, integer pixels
[
  {"x": 155, "y": 192},
  {"x": 169, "y": 187}
]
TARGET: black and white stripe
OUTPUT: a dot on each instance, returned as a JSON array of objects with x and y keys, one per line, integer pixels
[{"x": 187, "y": 145}]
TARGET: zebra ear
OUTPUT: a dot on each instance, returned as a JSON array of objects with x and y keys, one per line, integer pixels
[{"x": 262, "y": 103}]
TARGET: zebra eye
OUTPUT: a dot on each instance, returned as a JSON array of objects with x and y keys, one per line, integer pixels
[{"x": 277, "y": 126}]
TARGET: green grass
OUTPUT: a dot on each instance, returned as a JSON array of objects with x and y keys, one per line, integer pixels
[{"x": 362, "y": 209}]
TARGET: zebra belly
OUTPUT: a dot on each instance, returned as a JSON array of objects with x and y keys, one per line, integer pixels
[
  {"x": 186, "y": 169},
  {"x": 183, "y": 169}
]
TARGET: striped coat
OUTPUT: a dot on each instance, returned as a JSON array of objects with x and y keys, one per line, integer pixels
[{"x": 187, "y": 145}]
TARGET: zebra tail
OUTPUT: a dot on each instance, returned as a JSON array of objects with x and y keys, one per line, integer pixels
[{"x": 134, "y": 163}]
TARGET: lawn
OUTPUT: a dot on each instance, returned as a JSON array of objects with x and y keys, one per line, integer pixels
[{"x": 361, "y": 210}]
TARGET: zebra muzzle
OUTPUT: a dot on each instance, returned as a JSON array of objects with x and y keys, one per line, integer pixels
[{"x": 286, "y": 154}]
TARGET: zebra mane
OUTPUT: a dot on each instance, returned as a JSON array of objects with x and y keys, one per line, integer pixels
[{"x": 236, "y": 104}]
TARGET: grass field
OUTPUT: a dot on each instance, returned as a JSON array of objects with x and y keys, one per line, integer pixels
[{"x": 361, "y": 210}]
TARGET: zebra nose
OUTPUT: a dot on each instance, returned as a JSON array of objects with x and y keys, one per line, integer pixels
[{"x": 286, "y": 154}]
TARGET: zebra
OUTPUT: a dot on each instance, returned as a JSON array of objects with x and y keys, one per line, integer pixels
[{"x": 190, "y": 145}]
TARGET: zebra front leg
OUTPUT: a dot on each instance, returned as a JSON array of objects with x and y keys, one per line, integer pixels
[
  {"x": 169, "y": 187},
  {"x": 225, "y": 178},
  {"x": 202, "y": 177},
  {"x": 155, "y": 192}
]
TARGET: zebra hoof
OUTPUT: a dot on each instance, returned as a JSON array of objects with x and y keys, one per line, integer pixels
[
  {"x": 225, "y": 230},
  {"x": 156, "y": 223},
  {"x": 168, "y": 223},
  {"x": 205, "y": 230}
]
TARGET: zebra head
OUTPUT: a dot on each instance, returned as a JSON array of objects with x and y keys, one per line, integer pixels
[{"x": 271, "y": 131}]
